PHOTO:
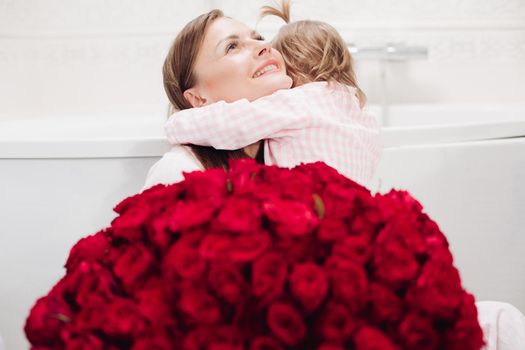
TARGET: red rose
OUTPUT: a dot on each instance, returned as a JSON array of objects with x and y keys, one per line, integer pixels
[
  {"x": 417, "y": 332},
  {"x": 265, "y": 343},
  {"x": 85, "y": 341},
  {"x": 199, "y": 306},
  {"x": 309, "y": 285},
  {"x": 183, "y": 259},
  {"x": 290, "y": 217},
  {"x": 115, "y": 319},
  {"x": 433, "y": 237},
  {"x": 339, "y": 201},
  {"x": 290, "y": 184},
  {"x": 332, "y": 229},
  {"x": 158, "y": 197},
  {"x": 133, "y": 266},
  {"x": 206, "y": 185},
  {"x": 404, "y": 230},
  {"x": 466, "y": 333},
  {"x": 158, "y": 232},
  {"x": 269, "y": 273},
  {"x": 219, "y": 337},
  {"x": 121, "y": 319},
  {"x": 89, "y": 285},
  {"x": 323, "y": 174},
  {"x": 329, "y": 346},
  {"x": 155, "y": 301},
  {"x": 155, "y": 342},
  {"x": 437, "y": 290},
  {"x": 336, "y": 323},
  {"x": 286, "y": 323},
  {"x": 405, "y": 200},
  {"x": 227, "y": 281},
  {"x": 354, "y": 248},
  {"x": 242, "y": 177},
  {"x": 90, "y": 249},
  {"x": 129, "y": 225},
  {"x": 394, "y": 264},
  {"x": 368, "y": 219},
  {"x": 188, "y": 214},
  {"x": 385, "y": 304},
  {"x": 299, "y": 248},
  {"x": 131, "y": 201},
  {"x": 216, "y": 247},
  {"x": 240, "y": 248},
  {"x": 394, "y": 202},
  {"x": 240, "y": 215},
  {"x": 46, "y": 319},
  {"x": 349, "y": 281},
  {"x": 249, "y": 247},
  {"x": 368, "y": 338},
  {"x": 163, "y": 196}
]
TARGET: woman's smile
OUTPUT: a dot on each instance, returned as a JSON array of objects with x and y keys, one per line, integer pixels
[{"x": 268, "y": 67}]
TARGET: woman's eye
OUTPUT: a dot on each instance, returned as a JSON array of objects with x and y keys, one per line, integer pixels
[
  {"x": 231, "y": 46},
  {"x": 259, "y": 37}
]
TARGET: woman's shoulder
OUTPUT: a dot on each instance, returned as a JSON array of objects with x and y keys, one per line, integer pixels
[{"x": 170, "y": 167}]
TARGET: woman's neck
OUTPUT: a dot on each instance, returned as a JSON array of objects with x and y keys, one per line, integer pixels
[{"x": 251, "y": 150}]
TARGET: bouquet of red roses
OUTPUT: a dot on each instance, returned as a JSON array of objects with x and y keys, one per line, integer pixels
[{"x": 260, "y": 258}]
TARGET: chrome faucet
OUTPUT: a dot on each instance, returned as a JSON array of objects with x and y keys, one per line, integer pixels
[{"x": 389, "y": 52}]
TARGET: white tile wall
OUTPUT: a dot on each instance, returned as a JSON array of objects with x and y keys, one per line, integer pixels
[
  {"x": 59, "y": 56},
  {"x": 86, "y": 57},
  {"x": 476, "y": 49}
]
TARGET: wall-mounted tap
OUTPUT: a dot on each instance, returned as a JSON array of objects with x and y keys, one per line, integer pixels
[{"x": 389, "y": 52}]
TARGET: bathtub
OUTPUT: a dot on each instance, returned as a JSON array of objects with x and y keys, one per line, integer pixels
[
  {"x": 60, "y": 178},
  {"x": 466, "y": 165}
]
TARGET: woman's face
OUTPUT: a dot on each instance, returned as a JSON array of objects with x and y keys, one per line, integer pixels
[{"x": 235, "y": 62}]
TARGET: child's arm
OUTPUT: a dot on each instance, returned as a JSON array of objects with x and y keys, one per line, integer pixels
[{"x": 236, "y": 125}]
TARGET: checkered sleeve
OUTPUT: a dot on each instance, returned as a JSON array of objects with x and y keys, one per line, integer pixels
[{"x": 236, "y": 125}]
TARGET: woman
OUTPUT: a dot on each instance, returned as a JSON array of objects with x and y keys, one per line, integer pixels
[
  {"x": 200, "y": 69},
  {"x": 214, "y": 58}
]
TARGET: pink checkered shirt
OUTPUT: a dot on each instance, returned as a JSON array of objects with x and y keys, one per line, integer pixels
[{"x": 314, "y": 122}]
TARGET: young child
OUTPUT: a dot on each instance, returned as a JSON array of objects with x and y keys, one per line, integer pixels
[{"x": 319, "y": 119}]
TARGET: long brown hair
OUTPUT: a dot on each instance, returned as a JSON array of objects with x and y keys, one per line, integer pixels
[
  {"x": 313, "y": 51},
  {"x": 178, "y": 76}
]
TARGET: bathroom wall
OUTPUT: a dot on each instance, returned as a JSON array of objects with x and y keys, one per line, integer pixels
[
  {"x": 476, "y": 49},
  {"x": 104, "y": 56},
  {"x": 87, "y": 56}
]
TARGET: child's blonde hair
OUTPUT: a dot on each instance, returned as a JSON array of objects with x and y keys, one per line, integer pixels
[{"x": 313, "y": 51}]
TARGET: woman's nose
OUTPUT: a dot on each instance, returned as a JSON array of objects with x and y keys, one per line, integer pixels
[{"x": 264, "y": 48}]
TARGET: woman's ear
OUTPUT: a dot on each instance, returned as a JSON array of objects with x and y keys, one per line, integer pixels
[{"x": 194, "y": 98}]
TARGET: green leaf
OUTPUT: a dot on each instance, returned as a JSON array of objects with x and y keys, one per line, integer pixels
[
  {"x": 319, "y": 205},
  {"x": 61, "y": 317}
]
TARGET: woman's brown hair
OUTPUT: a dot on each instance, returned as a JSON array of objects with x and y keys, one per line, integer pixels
[
  {"x": 178, "y": 76},
  {"x": 313, "y": 51}
]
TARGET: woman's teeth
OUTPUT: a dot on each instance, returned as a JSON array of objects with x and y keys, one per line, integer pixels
[{"x": 264, "y": 70}]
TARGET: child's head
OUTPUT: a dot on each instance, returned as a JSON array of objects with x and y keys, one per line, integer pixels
[{"x": 313, "y": 51}]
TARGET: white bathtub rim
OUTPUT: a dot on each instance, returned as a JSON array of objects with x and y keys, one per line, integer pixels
[
  {"x": 428, "y": 114},
  {"x": 394, "y": 137},
  {"x": 87, "y": 148},
  {"x": 418, "y": 135},
  {"x": 137, "y": 137}
]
